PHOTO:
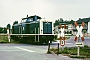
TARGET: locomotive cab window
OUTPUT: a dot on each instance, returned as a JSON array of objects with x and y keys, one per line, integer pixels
[{"x": 47, "y": 27}]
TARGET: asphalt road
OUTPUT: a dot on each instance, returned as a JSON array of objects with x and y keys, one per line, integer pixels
[
  {"x": 35, "y": 52},
  {"x": 28, "y": 52},
  {"x": 71, "y": 43}
]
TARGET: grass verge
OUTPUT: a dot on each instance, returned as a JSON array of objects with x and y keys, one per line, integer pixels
[{"x": 72, "y": 51}]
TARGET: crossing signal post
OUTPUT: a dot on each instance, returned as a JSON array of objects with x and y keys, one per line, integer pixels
[
  {"x": 78, "y": 35},
  {"x": 61, "y": 36},
  {"x": 8, "y": 34},
  {"x": 58, "y": 47}
]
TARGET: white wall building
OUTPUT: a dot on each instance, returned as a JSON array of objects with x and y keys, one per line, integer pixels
[
  {"x": 88, "y": 27},
  {"x": 87, "y": 24}
]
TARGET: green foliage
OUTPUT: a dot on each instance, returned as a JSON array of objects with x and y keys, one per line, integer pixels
[
  {"x": 56, "y": 23},
  {"x": 48, "y": 52},
  {"x": 84, "y": 31},
  {"x": 59, "y": 21},
  {"x": 55, "y": 37},
  {"x": 16, "y": 22},
  {"x": 8, "y": 26},
  {"x": 86, "y": 46},
  {"x": 3, "y": 30},
  {"x": 3, "y": 39},
  {"x": 52, "y": 49},
  {"x": 84, "y": 51}
]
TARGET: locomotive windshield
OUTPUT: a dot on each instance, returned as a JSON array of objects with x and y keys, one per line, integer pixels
[{"x": 47, "y": 27}]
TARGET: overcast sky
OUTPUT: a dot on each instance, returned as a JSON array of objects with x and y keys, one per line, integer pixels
[{"x": 14, "y": 10}]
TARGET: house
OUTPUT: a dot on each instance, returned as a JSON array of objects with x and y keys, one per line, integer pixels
[
  {"x": 68, "y": 30},
  {"x": 87, "y": 24},
  {"x": 71, "y": 28}
]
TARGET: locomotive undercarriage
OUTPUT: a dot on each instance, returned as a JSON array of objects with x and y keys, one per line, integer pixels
[{"x": 37, "y": 39}]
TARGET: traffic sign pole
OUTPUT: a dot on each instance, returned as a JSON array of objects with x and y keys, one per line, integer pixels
[
  {"x": 49, "y": 46},
  {"x": 78, "y": 51},
  {"x": 58, "y": 48},
  {"x": 61, "y": 37}
]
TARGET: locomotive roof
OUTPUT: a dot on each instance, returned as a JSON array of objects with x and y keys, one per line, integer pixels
[
  {"x": 31, "y": 22},
  {"x": 38, "y": 17},
  {"x": 16, "y": 24}
]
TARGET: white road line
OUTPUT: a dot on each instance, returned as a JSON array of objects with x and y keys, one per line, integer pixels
[
  {"x": 68, "y": 43},
  {"x": 10, "y": 50},
  {"x": 25, "y": 49},
  {"x": 65, "y": 43}
]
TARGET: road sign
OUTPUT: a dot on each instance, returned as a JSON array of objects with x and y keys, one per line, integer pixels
[
  {"x": 62, "y": 42},
  {"x": 79, "y": 33},
  {"x": 61, "y": 36},
  {"x": 79, "y": 44}
]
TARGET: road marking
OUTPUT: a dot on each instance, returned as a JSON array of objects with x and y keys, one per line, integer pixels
[
  {"x": 68, "y": 43},
  {"x": 10, "y": 50},
  {"x": 25, "y": 49},
  {"x": 57, "y": 42}
]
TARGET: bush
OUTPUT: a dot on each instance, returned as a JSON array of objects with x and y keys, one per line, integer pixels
[
  {"x": 3, "y": 39},
  {"x": 85, "y": 46}
]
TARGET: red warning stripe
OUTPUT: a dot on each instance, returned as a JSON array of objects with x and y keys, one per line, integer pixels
[{"x": 76, "y": 24}]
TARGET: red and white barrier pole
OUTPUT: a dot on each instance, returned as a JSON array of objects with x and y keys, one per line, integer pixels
[{"x": 8, "y": 34}]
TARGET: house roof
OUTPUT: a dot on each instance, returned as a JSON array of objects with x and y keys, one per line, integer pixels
[{"x": 83, "y": 20}]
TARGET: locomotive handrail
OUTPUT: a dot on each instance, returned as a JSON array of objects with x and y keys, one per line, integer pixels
[
  {"x": 30, "y": 34},
  {"x": 33, "y": 34}
]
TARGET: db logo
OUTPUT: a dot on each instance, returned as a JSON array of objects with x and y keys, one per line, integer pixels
[{"x": 79, "y": 29}]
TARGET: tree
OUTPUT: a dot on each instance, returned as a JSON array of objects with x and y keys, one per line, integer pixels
[
  {"x": 72, "y": 21},
  {"x": 16, "y": 22},
  {"x": 1, "y": 30},
  {"x": 61, "y": 20},
  {"x": 8, "y": 26},
  {"x": 56, "y": 22},
  {"x": 84, "y": 31}
]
